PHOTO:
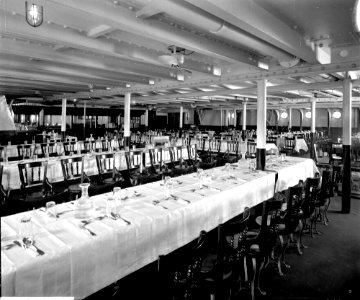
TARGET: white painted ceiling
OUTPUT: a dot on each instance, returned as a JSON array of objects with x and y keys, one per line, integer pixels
[{"x": 97, "y": 50}]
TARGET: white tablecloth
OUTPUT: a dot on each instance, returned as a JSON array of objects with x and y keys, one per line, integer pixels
[{"x": 78, "y": 264}]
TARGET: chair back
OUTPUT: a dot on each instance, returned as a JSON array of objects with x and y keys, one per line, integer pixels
[
  {"x": 105, "y": 145},
  {"x": 73, "y": 168},
  {"x": 134, "y": 159},
  {"x": 214, "y": 145},
  {"x": 251, "y": 148},
  {"x": 32, "y": 174},
  {"x": 271, "y": 140},
  {"x": 289, "y": 142},
  {"x": 69, "y": 147},
  {"x": 192, "y": 152},
  {"x": 176, "y": 155},
  {"x": 106, "y": 163},
  {"x": 49, "y": 148},
  {"x": 3, "y": 193},
  {"x": 156, "y": 158},
  {"x": 89, "y": 146},
  {"x": 3, "y": 153},
  {"x": 25, "y": 151},
  {"x": 232, "y": 147},
  {"x": 180, "y": 271}
]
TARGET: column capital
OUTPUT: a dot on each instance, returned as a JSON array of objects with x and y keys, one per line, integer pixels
[{"x": 313, "y": 100}]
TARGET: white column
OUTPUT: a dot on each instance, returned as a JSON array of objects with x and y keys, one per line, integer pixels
[
  {"x": 290, "y": 117},
  {"x": 244, "y": 116},
  {"x": 181, "y": 116},
  {"x": 127, "y": 115},
  {"x": 41, "y": 118},
  {"x": 221, "y": 117},
  {"x": 313, "y": 114},
  {"x": 146, "y": 121},
  {"x": 84, "y": 114},
  {"x": 261, "y": 114},
  {"x": 63, "y": 115},
  {"x": 235, "y": 118},
  {"x": 347, "y": 113}
]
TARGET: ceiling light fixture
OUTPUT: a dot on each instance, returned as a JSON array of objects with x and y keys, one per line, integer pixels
[
  {"x": 284, "y": 115},
  {"x": 34, "y": 14},
  {"x": 308, "y": 114},
  {"x": 336, "y": 114}
]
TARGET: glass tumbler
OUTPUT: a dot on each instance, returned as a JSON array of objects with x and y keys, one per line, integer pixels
[{"x": 26, "y": 232}]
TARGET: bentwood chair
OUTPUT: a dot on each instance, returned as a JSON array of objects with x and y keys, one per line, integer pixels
[
  {"x": 35, "y": 188},
  {"x": 322, "y": 203},
  {"x": 50, "y": 149},
  {"x": 311, "y": 191},
  {"x": 189, "y": 272},
  {"x": 25, "y": 151}
]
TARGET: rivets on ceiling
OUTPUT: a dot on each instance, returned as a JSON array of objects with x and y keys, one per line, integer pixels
[
  {"x": 13, "y": 13},
  {"x": 65, "y": 26}
]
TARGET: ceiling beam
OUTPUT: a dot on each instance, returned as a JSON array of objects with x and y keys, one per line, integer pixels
[
  {"x": 123, "y": 19},
  {"x": 280, "y": 73},
  {"x": 254, "y": 19}
]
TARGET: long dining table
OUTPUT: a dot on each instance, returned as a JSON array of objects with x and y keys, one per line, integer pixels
[{"x": 77, "y": 263}]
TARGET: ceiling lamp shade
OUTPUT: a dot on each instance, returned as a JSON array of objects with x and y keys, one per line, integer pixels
[
  {"x": 337, "y": 114},
  {"x": 34, "y": 14}
]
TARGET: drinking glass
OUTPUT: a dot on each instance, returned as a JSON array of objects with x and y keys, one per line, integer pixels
[
  {"x": 167, "y": 186},
  {"x": 283, "y": 155},
  {"x": 252, "y": 165},
  {"x": 200, "y": 176},
  {"x": 26, "y": 232},
  {"x": 111, "y": 206},
  {"x": 51, "y": 208}
]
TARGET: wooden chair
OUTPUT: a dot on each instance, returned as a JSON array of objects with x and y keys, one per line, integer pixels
[
  {"x": 289, "y": 146},
  {"x": 73, "y": 172},
  {"x": 193, "y": 157},
  {"x": 323, "y": 200},
  {"x": 105, "y": 145},
  {"x": 109, "y": 176},
  {"x": 183, "y": 274},
  {"x": 35, "y": 188},
  {"x": 251, "y": 150},
  {"x": 178, "y": 165},
  {"x": 25, "y": 151},
  {"x": 89, "y": 147},
  {"x": 3, "y": 153},
  {"x": 271, "y": 140},
  {"x": 312, "y": 190},
  {"x": 6, "y": 207},
  {"x": 69, "y": 147},
  {"x": 137, "y": 172},
  {"x": 50, "y": 149}
]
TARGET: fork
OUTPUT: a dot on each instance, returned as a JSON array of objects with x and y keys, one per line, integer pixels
[
  {"x": 177, "y": 198},
  {"x": 82, "y": 226},
  {"x": 117, "y": 216}
]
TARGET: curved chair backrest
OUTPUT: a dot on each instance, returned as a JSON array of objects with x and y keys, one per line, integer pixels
[
  {"x": 73, "y": 168},
  {"x": 32, "y": 173}
]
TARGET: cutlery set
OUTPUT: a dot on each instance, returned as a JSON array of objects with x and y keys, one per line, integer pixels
[{"x": 26, "y": 244}]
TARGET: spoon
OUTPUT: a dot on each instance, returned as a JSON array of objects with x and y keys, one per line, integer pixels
[
  {"x": 117, "y": 216},
  {"x": 29, "y": 243}
]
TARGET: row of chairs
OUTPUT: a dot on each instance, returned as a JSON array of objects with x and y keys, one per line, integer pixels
[
  {"x": 141, "y": 167},
  {"x": 227, "y": 262}
]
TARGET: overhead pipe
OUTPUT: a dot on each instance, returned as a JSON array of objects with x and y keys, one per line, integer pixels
[{"x": 220, "y": 28}]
